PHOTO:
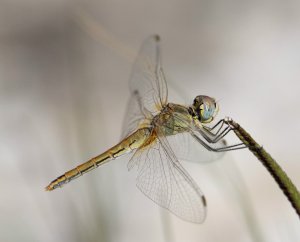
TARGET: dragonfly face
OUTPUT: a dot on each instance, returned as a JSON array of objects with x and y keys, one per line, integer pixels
[{"x": 204, "y": 108}]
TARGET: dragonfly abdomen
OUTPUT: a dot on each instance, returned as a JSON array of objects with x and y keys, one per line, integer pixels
[
  {"x": 79, "y": 171},
  {"x": 128, "y": 144}
]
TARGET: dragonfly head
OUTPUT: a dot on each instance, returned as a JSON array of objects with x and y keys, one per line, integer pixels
[{"x": 204, "y": 108}]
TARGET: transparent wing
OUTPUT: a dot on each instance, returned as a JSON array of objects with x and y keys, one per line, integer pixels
[
  {"x": 148, "y": 86},
  {"x": 134, "y": 116},
  {"x": 147, "y": 78},
  {"x": 186, "y": 148},
  {"x": 162, "y": 178}
]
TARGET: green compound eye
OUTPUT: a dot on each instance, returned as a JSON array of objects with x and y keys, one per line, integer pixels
[
  {"x": 207, "y": 111},
  {"x": 205, "y": 108}
]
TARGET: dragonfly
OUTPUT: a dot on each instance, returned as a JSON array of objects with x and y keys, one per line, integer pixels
[{"x": 160, "y": 135}]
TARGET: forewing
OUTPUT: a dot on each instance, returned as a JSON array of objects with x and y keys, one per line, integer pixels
[
  {"x": 162, "y": 178},
  {"x": 147, "y": 78},
  {"x": 134, "y": 116},
  {"x": 148, "y": 86}
]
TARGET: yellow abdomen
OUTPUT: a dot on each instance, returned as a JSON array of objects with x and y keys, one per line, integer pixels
[{"x": 128, "y": 144}]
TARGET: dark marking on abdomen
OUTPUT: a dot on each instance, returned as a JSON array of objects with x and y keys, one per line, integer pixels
[{"x": 118, "y": 152}]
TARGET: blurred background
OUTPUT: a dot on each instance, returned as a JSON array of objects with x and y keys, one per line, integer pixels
[{"x": 64, "y": 69}]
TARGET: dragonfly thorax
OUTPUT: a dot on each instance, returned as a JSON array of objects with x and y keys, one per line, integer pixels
[{"x": 173, "y": 119}]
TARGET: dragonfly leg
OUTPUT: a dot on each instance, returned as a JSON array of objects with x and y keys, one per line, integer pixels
[
  {"x": 214, "y": 138},
  {"x": 210, "y": 129},
  {"x": 221, "y": 135},
  {"x": 221, "y": 149}
]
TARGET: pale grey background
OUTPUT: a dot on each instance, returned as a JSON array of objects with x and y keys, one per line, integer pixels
[{"x": 64, "y": 68}]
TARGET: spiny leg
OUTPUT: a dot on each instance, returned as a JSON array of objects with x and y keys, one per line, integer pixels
[
  {"x": 215, "y": 138},
  {"x": 221, "y": 149},
  {"x": 210, "y": 129}
]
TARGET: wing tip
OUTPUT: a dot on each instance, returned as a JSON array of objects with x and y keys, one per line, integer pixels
[
  {"x": 156, "y": 37},
  {"x": 204, "y": 201}
]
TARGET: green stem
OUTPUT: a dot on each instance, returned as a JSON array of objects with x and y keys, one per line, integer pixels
[{"x": 284, "y": 182}]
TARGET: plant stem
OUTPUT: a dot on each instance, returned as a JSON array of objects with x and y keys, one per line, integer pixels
[{"x": 284, "y": 182}]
